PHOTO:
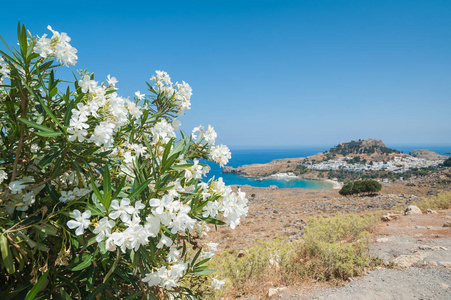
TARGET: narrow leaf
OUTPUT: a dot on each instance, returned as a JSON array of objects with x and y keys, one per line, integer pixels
[{"x": 35, "y": 290}]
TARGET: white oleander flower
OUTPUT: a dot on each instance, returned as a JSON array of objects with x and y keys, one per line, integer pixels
[
  {"x": 3, "y": 176},
  {"x": 62, "y": 50},
  {"x": 137, "y": 236},
  {"x": 103, "y": 229},
  {"x": 152, "y": 279},
  {"x": 164, "y": 241},
  {"x": 152, "y": 226},
  {"x": 212, "y": 248},
  {"x": 217, "y": 284},
  {"x": 139, "y": 95},
  {"x": 182, "y": 97},
  {"x": 58, "y": 45},
  {"x": 163, "y": 131},
  {"x": 134, "y": 109},
  {"x": 111, "y": 80},
  {"x": 124, "y": 210},
  {"x": 173, "y": 255},
  {"x": 103, "y": 134},
  {"x": 210, "y": 135},
  {"x": 81, "y": 221},
  {"x": 43, "y": 46},
  {"x": 211, "y": 209},
  {"x": 17, "y": 186},
  {"x": 220, "y": 154},
  {"x": 4, "y": 69},
  {"x": 67, "y": 196},
  {"x": 87, "y": 85}
]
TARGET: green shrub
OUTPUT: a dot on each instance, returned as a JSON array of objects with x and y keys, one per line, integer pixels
[
  {"x": 360, "y": 186},
  {"x": 447, "y": 162}
]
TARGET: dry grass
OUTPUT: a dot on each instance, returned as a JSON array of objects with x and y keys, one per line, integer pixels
[
  {"x": 441, "y": 201},
  {"x": 331, "y": 249}
]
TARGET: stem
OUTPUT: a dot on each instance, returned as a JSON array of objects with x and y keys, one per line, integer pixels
[{"x": 16, "y": 159}]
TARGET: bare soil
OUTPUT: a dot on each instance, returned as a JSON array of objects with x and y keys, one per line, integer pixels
[{"x": 419, "y": 248}]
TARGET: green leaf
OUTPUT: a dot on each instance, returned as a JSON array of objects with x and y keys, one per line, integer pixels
[
  {"x": 50, "y": 157},
  {"x": 205, "y": 272},
  {"x": 52, "y": 192},
  {"x": 98, "y": 290},
  {"x": 213, "y": 221},
  {"x": 106, "y": 180},
  {"x": 116, "y": 261},
  {"x": 96, "y": 190},
  {"x": 35, "y": 125},
  {"x": 136, "y": 192},
  {"x": 134, "y": 296},
  {"x": 201, "y": 263},
  {"x": 48, "y": 134},
  {"x": 107, "y": 200},
  {"x": 83, "y": 265},
  {"x": 6, "y": 254},
  {"x": 47, "y": 229},
  {"x": 35, "y": 290},
  {"x": 68, "y": 113},
  {"x": 196, "y": 257},
  {"x": 65, "y": 295},
  {"x": 45, "y": 107}
]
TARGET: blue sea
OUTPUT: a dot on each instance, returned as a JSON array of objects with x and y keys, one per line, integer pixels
[{"x": 253, "y": 156}]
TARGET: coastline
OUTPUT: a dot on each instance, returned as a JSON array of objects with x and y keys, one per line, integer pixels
[{"x": 336, "y": 185}]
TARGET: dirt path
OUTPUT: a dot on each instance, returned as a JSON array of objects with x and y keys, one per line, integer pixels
[{"x": 418, "y": 245}]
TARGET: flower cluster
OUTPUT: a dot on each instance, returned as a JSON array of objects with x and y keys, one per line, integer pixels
[
  {"x": 58, "y": 45},
  {"x": 101, "y": 115},
  {"x": 4, "y": 70},
  {"x": 220, "y": 154},
  {"x": 179, "y": 93}
]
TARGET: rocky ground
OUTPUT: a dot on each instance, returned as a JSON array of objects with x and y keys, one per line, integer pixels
[
  {"x": 419, "y": 248},
  {"x": 282, "y": 212},
  {"x": 418, "y": 245}
]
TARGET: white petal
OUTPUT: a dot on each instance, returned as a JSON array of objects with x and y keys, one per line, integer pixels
[
  {"x": 72, "y": 224},
  {"x": 114, "y": 214},
  {"x": 79, "y": 231}
]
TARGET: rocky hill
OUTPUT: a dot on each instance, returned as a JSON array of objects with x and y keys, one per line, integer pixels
[
  {"x": 369, "y": 146},
  {"x": 352, "y": 160}
]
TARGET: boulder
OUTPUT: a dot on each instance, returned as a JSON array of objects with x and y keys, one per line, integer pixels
[
  {"x": 389, "y": 217},
  {"x": 430, "y": 211},
  {"x": 413, "y": 210},
  {"x": 275, "y": 291},
  {"x": 447, "y": 224}
]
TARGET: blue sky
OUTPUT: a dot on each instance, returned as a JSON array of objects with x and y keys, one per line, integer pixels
[{"x": 272, "y": 73}]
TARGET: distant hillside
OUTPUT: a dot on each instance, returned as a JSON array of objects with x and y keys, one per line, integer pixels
[
  {"x": 369, "y": 146},
  {"x": 426, "y": 154}
]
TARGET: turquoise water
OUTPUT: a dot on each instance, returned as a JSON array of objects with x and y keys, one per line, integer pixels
[
  {"x": 253, "y": 156},
  {"x": 261, "y": 156}
]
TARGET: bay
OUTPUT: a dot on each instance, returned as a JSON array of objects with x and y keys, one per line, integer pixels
[{"x": 256, "y": 156}]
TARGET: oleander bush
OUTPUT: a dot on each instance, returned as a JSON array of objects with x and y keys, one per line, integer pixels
[{"x": 99, "y": 197}]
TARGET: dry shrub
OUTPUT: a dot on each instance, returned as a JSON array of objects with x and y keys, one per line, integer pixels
[
  {"x": 331, "y": 249},
  {"x": 441, "y": 201}
]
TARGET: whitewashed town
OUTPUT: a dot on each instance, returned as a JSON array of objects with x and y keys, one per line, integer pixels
[{"x": 398, "y": 164}]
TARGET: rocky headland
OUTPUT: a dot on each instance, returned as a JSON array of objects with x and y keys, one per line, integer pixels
[{"x": 363, "y": 158}]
